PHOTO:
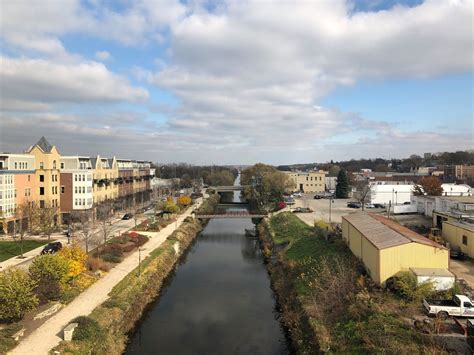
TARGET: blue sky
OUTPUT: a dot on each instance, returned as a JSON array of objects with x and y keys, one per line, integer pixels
[{"x": 238, "y": 82}]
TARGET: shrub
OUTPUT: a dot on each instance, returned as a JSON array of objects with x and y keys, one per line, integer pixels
[
  {"x": 50, "y": 273},
  {"x": 140, "y": 240},
  {"x": 405, "y": 285},
  {"x": 87, "y": 329},
  {"x": 94, "y": 264},
  {"x": 76, "y": 258},
  {"x": 184, "y": 200},
  {"x": 112, "y": 258},
  {"x": 16, "y": 294},
  {"x": 127, "y": 248}
]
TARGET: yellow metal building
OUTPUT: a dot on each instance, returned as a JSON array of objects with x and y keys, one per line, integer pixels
[
  {"x": 385, "y": 247},
  {"x": 460, "y": 235}
]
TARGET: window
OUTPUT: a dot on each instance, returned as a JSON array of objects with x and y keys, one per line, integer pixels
[
  {"x": 54, "y": 164},
  {"x": 464, "y": 239},
  {"x": 62, "y": 165},
  {"x": 42, "y": 167},
  {"x": 41, "y": 178},
  {"x": 62, "y": 189},
  {"x": 28, "y": 177},
  {"x": 16, "y": 166},
  {"x": 42, "y": 191},
  {"x": 75, "y": 189},
  {"x": 83, "y": 189},
  {"x": 52, "y": 190},
  {"x": 41, "y": 203}
]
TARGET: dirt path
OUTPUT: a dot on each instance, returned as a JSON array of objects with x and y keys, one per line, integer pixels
[{"x": 49, "y": 334}]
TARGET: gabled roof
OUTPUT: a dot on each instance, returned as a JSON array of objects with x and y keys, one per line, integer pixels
[
  {"x": 44, "y": 145},
  {"x": 385, "y": 233}
]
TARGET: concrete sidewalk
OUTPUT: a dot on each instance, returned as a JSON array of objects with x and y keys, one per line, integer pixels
[{"x": 49, "y": 335}]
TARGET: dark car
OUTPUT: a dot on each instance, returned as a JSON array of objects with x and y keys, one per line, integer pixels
[
  {"x": 353, "y": 204},
  {"x": 456, "y": 254},
  {"x": 378, "y": 205},
  {"x": 51, "y": 248},
  {"x": 127, "y": 216},
  {"x": 302, "y": 210}
]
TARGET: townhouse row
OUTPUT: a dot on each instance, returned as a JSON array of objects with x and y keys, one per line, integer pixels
[{"x": 43, "y": 177}]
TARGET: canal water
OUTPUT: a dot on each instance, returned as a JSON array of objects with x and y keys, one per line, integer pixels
[{"x": 218, "y": 302}]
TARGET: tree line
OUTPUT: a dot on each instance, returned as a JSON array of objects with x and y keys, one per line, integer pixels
[{"x": 188, "y": 174}]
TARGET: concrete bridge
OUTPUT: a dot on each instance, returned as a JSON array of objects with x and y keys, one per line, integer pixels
[
  {"x": 228, "y": 188},
  {"x": 230, "y": 215}
]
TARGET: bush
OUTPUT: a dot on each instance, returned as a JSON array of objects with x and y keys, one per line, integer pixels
[
  {"x": 76, "y": 258},
  {"x": 94, "y": 264},
  {"x": 6, "y": 341},
  {"x": 87, "y": 329},
  {"x": 50, "y": 273},
  {"x": 112, "y": 258},
  {"x": 16, "y": 294},
  {"x": 184, "y": 200},
  {"x": 140, "y": 240},
  {"x": 405, "y": 285},
  {"x": 127, "y": 248}
]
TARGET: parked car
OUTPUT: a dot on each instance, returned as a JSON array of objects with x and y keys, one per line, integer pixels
[
  {"x": 456, "y": 254},
  {"x": 407, "y": 203},
  {"x": 302, "y": 210},
  {"x": 369, "y": 205},
  {"x": 459, "y": 306},
  {"x": 353, "y": 204},
  {"x": 127, "y": 216},
  {"x": 325, "y": 194},
  {"x": 297, "y": 194},
  {"x": 378, "y": 205},
  {"x": 52, "y": 248}
]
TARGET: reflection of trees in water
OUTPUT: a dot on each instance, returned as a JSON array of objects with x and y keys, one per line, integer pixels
[
  {"x": 227, "y": 197},
  {"x": 250, "y": 248}
]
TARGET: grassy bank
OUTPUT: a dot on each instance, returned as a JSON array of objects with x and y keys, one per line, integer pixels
[
  {"x": 11, "y": 249},
  {"x": 328, "y": 303},
  {"x": 106, "y": 328}
]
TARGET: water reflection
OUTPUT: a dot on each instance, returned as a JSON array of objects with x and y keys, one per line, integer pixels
[{"x": 219, "y": 301}]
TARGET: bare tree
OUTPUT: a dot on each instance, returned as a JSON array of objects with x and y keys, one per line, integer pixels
[
  {"x": 364, "y": 189},
  {"x": 104, "y": 216},
  {"x": 47, "y": 220},
  {"x": 83, "y": 220},
  {"x": 21, "y": 225}
]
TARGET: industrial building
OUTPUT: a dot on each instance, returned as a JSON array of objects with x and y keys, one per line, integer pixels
[
  {"x": 459, "y": 235},
  {"x": 385, "y": 247}
]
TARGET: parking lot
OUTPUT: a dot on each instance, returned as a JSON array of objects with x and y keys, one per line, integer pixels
[{"x": 322, "y": 211}]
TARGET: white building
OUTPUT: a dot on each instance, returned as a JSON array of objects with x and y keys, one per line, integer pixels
[
  {"x": 456, "y": 190},
  {"x": 331, "y": 182},
  {"x": 389, "y": 193}
]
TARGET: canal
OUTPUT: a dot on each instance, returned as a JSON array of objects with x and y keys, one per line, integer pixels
[{"x": 219, "y": 301}]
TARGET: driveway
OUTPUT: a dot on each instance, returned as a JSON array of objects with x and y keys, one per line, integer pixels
[{"x": 463, "y": 270}]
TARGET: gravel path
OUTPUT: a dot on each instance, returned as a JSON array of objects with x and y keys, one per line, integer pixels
[{"x": 48, "y": 335}]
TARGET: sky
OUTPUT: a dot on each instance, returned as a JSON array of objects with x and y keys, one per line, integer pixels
[{"x": 236, "y": 81}]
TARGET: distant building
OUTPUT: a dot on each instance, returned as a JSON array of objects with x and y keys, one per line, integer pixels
[
  {"x": 309, "y": 182},
  {"x": 390, "y": 193},
  {"x": 331, "y": 182},
  {"x": 458, "y": 172},
  {"x": 386, "y": 247},
  {"x": 456, "y": 190}
]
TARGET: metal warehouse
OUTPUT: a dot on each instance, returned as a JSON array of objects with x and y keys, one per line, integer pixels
[{"x": 385, "y": 247}]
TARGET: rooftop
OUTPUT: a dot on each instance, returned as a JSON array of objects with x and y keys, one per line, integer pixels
[
  {"x": 462, "y": 199},
  {"x": 463, "y": 225},
  {"x": 385, "y": 233}
]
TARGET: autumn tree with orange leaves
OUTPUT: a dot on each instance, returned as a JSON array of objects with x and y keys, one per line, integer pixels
[{"x": 428, "y": 185}]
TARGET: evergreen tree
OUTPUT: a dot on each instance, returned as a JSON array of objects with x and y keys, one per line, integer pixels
[{"x": 342, "y": 186}]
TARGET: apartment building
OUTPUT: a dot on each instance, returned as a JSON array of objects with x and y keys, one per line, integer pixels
[
  {"x": 17, "y": 186},
  {"x": 105, "y": 175},
  {"x": 308, "y": 182},
  {"x": 47, "y": 174},
  {"x": 458, "y": 172},
  {"x": 76, "y": 185}
]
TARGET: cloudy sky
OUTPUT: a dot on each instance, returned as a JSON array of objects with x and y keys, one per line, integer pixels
[{"x": 238, "y": 81}]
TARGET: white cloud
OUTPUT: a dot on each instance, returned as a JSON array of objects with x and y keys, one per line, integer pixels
[
  {"x": 39, "y": 80},
  {"x": 102, "y": 55}
]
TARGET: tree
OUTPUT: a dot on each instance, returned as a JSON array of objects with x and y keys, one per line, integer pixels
[
  {"x": 266, "y": 185},
  {"x": 363, "y": 191},
  {"x": 76, "y": 258},
  {"x": 83, "y": 219},
  {"x": 104, "y": 215},
  {"x": 16, "y": 294},
  {"x": 50, "y": 273},
  {"x": 47, "y": 219},
  {"x": 23, "y": 219},
  {"x": 342, "y": 186},
  {"x": 428, "y": 185},
  {"x": 184, "y": 200}
]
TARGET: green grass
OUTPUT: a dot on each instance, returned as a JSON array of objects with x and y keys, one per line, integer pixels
[{"x": 10, "y": 249}]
